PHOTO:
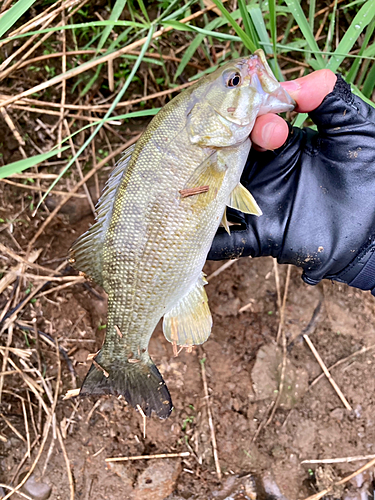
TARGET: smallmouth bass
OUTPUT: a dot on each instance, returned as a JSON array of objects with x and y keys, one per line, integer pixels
[{"x": 156, "y": 220}]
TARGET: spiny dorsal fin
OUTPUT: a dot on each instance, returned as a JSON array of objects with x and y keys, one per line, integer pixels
[{"x": 87, "y": 252}]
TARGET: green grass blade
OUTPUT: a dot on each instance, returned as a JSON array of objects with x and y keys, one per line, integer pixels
[
  {"x": 312, "y": 14},
  {"x": 257, "y": 18},
  {"x": 273, "y": 26},
  {"x": 248, "y": 23},
  {"x": 299, "y": 16},
  {"x": 178, "y": 26},
  {"x": 188, "y": 54},
  {"x": 364, "y": 17},
  {"x": 369, "y": 83},
  {"x": 109, "y": 112},
  {"x": 19, "y": 166},
  {"x": 92, "y": 80},
  {"x": 126, "y": 116},
  {"x": 176, "y": 13},
  {"x": 144, "y": 10},
  {"x": 115, "y": 14},
  {"x": 301, "y": 118},
  {"x": 13, "y": 14},
  {"x": 331, "y": 29},
  {"x": 357, "y": 92},
  {"x": 240, "y": 32},
  {"x": 352, "y": 74}
]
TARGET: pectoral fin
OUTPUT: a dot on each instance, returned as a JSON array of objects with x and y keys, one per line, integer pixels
[
  {"x": 206, "y": 174},
  {"x": 189, "y": 322},
  {"x": 242, "y": 200}
]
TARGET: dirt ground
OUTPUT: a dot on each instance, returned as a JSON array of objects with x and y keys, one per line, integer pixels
[{"x": 242, "y": 363}]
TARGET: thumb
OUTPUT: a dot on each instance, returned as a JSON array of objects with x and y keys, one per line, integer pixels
[{"x": 309, "y": 91}]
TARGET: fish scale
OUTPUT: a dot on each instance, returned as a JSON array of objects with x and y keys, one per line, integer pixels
[{"x": 149, "y": 243}]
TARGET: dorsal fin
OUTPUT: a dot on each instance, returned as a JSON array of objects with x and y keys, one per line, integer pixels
[{"x": 86, "y": 253}]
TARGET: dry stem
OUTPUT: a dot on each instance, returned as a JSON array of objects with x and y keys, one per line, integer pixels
[
  {"x": 147, "y": 457},
  {"x": 327, "y": 374},
  {"x": 210, "y": 420}
]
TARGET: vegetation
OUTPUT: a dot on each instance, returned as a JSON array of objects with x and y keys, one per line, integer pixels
[{"x": 79, "y": 52}]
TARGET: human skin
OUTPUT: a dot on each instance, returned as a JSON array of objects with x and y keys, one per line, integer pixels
[{"x": 271, "y": 131}]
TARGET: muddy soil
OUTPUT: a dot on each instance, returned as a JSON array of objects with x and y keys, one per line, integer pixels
[{"x": 242, "y": 363}]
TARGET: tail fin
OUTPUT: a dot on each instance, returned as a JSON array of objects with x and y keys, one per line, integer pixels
[{"x": 140, "y": 384}]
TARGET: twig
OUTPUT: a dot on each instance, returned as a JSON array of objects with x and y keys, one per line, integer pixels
[
  {"x": 28, "y": 262},
  {"x": 344, "y": 460},
  {"x": 96, "y": 364},
  {"x": 34, "y": 188},
  {"x": 321, "y": 494},
  {"x": 67, "y": 463},
  {"x": 210, "y": 420},
  {"x": 277, "y": 283},
  {"x": 310, "y": 328},
  {"x": 118, "y": 331},
  {"x": 147, "y": 457},
  {"x": 26, "y": 428},
  {"x": 144, "y": 420},
  {"x": 192, "y": 191},
  {"x": 341, "y": 361},
  {"x": 13, "y": 490},
  {"x": 13, "y": 129},
  {"x": 11, "y": 426},
  {"x": 221, "y": 269},
  {"x": 282, "y": 309},
  {"x": 281, "y": 331},
  {"x": 76, "y": 281},
  {"x": 326, "y": 372}
]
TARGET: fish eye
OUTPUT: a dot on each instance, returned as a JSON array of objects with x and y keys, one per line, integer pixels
[{"x": 234, "y": 80}]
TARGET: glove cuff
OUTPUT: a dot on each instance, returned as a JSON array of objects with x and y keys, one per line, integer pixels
[{"x": 361, "y": 272}]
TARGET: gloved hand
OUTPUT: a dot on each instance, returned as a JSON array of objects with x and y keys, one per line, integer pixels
[{"x": 317, "y": 191}]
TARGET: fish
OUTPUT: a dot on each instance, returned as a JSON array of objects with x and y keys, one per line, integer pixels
[{"x": 157, "y": 217}]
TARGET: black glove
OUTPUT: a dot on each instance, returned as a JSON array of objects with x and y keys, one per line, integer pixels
[{"x": 317, "y": 194}]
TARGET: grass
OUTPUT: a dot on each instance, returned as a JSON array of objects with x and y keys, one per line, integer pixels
[{"x": 218, "y": 36}]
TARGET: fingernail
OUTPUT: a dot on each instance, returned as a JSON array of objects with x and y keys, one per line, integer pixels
[
  {"x": 292, "y": 86},
  {"x": 267, "y": 134}
]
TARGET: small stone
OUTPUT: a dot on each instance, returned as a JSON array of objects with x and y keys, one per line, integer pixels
[
  {"x": 266, "y": 375},
  {"x": 158, "y": 480},
  {"x": 36, "y": 489}
]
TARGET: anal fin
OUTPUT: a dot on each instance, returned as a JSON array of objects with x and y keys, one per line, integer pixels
[
  {"x": 224, "y": 221},
  {"x": 189, "y": 322},
  {"x": 241, "y": 199}
]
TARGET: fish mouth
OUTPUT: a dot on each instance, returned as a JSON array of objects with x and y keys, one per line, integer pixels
[{"x": 263, "y": 80}]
